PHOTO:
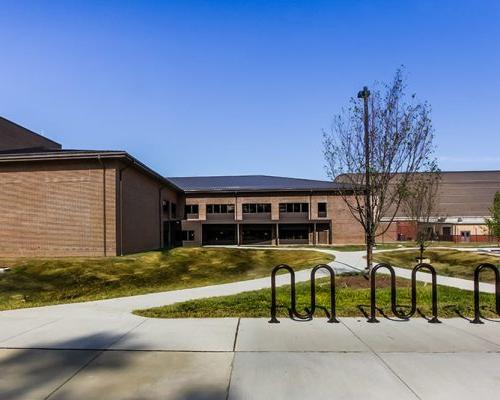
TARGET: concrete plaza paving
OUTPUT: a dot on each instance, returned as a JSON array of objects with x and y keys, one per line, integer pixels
[
  {"x": 99, "y": 350},
  {"x": 131, "y": 357}
]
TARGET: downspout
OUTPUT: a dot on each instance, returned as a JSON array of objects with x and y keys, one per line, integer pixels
[
  {"x": 160, "y": 189},
  {"x": 120, "y": 207},
  {"x": 104, "y": 224}
]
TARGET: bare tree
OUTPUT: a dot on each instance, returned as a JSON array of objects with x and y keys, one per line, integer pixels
[
  {"x": 419, "y": 201},
  {"x": 400, "y": 142}
]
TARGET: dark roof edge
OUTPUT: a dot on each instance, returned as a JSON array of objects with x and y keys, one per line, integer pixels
[
  {"x": 85, "y": 155},
  {"x": 268, "y": 190},
  {"x": 30, "y": 131}
]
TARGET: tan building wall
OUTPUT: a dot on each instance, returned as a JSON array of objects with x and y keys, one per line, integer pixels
[{"x": 57, "y": 210}]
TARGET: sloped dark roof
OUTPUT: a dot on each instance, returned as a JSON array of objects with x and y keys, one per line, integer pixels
[
  {"x": 17, "y": 137},
  {"x": 251, "y": 183}
]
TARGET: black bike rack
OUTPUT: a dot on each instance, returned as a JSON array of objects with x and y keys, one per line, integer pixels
[
  {"x": 332, "y": 314},
  {"x": 372, "y": 318},
  {"x": 394, "y": 306},
  {"x": 477, "y": 272},
  {"x": 292, "y": 311},
  {"x": 373, "y": 306}
]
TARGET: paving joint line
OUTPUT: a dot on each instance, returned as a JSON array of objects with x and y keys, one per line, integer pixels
[
  {"x": 473, "y": 335},
  {"x": 30, "y": 330},
  {"x": 85, "y": 365},
  {"x": 383, "y": 362},
  {"x": 232, "y": 361},
  {"x": 236, "y": 334}
]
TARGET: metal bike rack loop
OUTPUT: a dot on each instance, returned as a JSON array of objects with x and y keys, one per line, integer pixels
[
  {"x": 292, "y": 310},
  {"x": 432, "y": 270},
  {"x": 477, "y": 272},
  {"x": 373, "y": 305},
  {"x": 332, "y": 317}
]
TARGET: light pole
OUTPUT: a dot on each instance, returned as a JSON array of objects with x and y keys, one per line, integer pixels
[{"x": 364, "y": 94}]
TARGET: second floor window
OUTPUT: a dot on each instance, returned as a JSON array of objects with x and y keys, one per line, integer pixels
[
  {"x": 251, "y": 208},
  {"x": 173, "y": 210},
  {"x": 220, "y": 208},
  {"x": 165, "y": 207},
  {"x": 294, "y": 207},
  {"x": 321, "y": 209},
  {"x": 191, "y": 209}
]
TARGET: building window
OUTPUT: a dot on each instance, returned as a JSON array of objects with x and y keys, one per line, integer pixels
[
  {"x": 165, "y": 205},
  {"x": 294, "y": 207},
  {"x": 173, "y": 210},
  {"x": 191, "y": 209},
  {"x": 322, "y": 210},
  {"x": 188, "y": 236},
  {"x": 252, "y": 208},
  {"x": 220, "y": 208}
]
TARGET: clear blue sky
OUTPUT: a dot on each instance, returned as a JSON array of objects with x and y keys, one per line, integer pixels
[{"x": 245, "y": 87}]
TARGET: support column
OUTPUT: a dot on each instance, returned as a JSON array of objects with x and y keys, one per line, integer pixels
[
  {"x": 277, "y": 235},
  {"x": 315, "y": 235},
  {"x": 238, "y": 238}
]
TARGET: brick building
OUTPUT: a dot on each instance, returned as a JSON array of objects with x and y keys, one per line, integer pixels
[
  {"x": 256, "y": 209},
  {"x": 57, "y": 202}
]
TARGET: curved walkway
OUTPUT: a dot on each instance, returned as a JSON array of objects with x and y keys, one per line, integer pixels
[{"x": 344, "y": 262}]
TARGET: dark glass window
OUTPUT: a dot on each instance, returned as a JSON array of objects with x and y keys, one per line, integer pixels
[
  {"x": 252, "y": 208},
  {"x": 294, "y": 207},
  {"x": 166, "y": 206},
  {"x": 173, "y": 210},
  {"x": 321, "y": 209},
  {"x": 191, "y": 208},
  {"x": 220, "y": 208},
  {"x": 188, "y": 235}
]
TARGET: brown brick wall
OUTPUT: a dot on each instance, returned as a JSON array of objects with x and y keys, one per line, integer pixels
[
  {"x": 15, "y": 137},
  {"x": 345, "y": 229},
  {"x": 56, "y": 209},
  {"x": 140, "y": 212}
]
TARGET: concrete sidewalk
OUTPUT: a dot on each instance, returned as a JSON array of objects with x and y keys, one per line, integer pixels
[{"x": 130, "y": 357}]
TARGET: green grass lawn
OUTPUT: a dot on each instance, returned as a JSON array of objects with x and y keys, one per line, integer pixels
[
  {"x": 460, "y": 264},
  {"x": 352, "y": 291},
  {"x": 35, "y": 282}
]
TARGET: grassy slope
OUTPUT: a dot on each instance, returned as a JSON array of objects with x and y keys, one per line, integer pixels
[
  {"x": 351, "y": 292},
  {"x": 460, "y": 264},
  {"x": 35, "y": 282}
]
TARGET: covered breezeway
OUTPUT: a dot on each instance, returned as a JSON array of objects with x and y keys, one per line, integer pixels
[{"x": 219, "y": 234}]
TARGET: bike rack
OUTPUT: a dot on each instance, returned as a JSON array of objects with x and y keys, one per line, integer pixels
[
  {"x": 292, "y": 310},
  {"x": 373, "y": 305},
  {"x": 413, "y": 309},
  {"x": 293, "y": 303},
  {"x": 332, "y": 315},
  {"x": 477, "y": 272}
]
